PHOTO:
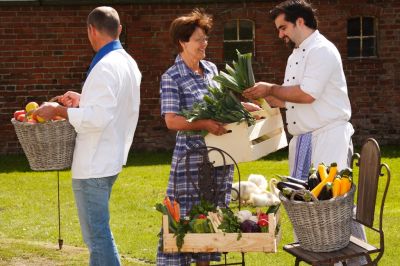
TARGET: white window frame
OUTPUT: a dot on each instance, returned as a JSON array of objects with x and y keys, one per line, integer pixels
[
  {"x": 237, "y": 34},
  {"x": 361, "y": 37}
]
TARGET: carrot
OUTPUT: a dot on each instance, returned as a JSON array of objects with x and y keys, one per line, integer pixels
[
  {"x": 177, "y": 214},
  {"x": 169, "y": 206}
]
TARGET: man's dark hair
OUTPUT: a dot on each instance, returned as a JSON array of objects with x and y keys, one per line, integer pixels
[
  {"x": 105, "y": 19},
  {"x": 294, "y": 9}
]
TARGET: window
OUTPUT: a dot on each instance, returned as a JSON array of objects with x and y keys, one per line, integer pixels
[
  {"x": 361, "y": 37},
  {"x": 238, "y": 34}
]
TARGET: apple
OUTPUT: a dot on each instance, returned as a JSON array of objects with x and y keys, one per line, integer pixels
[
  {"x": 21, "y": 117},
  {"x": 32, "y": 121},
  {"x": 31, "y": 106},
  {"x": 39, "y": 118},
  {"x": 17, "y": 113}
]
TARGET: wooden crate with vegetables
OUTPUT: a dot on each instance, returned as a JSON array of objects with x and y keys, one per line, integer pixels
[{"x": 222, "y": 231}]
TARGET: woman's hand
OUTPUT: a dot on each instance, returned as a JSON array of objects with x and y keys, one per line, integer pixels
[
  {"x": 178, "y": 122},
  {"x": 70, "y": 99},
  {"x": 251, "y": 107},
  {"x": 214, "y": 127}
]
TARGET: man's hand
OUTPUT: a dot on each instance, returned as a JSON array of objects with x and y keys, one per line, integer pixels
[
  {"x": 259, "y": 90},
  {"x": 275, "y": 102},
  {"x": 47, "y": 110},
  {"x": 70, "y": 99}
]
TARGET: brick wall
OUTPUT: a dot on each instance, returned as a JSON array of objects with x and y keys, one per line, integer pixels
[{"x": 44, "y": 52}]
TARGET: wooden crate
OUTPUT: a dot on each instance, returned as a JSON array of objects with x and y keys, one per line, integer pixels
[
  {"x": 224, "y": 242},
  {"x": 246, "y": 143}
]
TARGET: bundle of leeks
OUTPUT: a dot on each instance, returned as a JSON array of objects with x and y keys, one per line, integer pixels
[{"x": 240, "y": 77}]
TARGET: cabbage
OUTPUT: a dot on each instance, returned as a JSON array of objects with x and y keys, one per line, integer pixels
[{"x": 249, "y": 226}]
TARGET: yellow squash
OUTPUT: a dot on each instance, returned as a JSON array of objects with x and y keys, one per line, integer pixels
[
  {"x": 345, "y": 185},
  {"x": 337, "y": 183},
  {"x": 325, "y": 178}
]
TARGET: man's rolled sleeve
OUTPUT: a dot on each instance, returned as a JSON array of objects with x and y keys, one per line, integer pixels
[{"x": 319, "y": 68}]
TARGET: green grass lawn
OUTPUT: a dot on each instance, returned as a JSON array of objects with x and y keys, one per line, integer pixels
[{"x": 29, "y": 222}]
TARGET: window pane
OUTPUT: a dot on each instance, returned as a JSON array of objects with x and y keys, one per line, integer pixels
[
  {"x": 368, "y": 26},
  {"x": 245, "y": 30},
  {"x": 368, "y": 47},
  {"x": 230, "y": 30},
  {"x": 353, "y": 47},
  {"x": 230, "y": 50},
  {"x": 353, "y": 27}
]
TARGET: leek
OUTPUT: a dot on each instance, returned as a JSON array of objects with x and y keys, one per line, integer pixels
[{"x": 241, "y": 77}]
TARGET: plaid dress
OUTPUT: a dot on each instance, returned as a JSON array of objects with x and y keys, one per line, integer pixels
[{"x": 180, "y": 88}]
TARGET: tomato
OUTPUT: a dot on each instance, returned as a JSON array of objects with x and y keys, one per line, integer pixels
[
  {"x": 201, "y": 216},
  {"x": 262, "y": 222}
]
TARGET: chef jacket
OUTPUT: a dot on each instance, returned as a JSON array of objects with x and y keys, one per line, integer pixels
[{"x": 317, "y": 67}]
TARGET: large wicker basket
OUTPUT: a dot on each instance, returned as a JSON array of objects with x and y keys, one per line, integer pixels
[
  {"x": 321, "y": 226},
  {"x": 48, "y": 146}
]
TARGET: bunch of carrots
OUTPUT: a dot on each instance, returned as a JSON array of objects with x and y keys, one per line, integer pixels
[{"x": 173, "y": 208}]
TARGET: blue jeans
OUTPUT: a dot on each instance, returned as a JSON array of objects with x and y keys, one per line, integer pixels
[{"x": 92, "y": 197}]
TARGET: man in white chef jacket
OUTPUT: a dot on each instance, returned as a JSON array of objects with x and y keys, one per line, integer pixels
[
  {"x": 314, "y": 92},
  {"x": 104, "y": 116}
]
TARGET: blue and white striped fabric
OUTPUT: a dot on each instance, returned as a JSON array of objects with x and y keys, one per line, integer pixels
[
  {"x": 180, "y": 89},
  {"x": 302, "y": 162}
]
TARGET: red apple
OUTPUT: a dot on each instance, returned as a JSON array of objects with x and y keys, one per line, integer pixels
[
  {"x": 32, "y": 121},
  {"x": 21, "y": 117},
  {"x": 17, "y": 113}
]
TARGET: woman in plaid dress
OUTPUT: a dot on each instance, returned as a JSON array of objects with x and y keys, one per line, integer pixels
[{"x": 182, "y": 85}]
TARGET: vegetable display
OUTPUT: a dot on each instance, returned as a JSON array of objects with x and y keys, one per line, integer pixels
[{"x": 206, "y": 218}]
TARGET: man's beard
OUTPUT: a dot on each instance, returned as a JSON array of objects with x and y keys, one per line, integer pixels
[{"x": 289, "y": 43}]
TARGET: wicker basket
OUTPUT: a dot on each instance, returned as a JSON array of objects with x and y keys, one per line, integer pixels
[
  {"x": 48, "y": 146},
  {"x": 321, "y": 226}
]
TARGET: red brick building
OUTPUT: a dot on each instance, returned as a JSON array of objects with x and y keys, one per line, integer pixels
[{"x": 45, "y": 52}]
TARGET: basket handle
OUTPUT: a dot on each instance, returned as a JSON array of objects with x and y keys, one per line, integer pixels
[
  {"x": 55, "y": 99},
  {"x": 302, "y": 192}
]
